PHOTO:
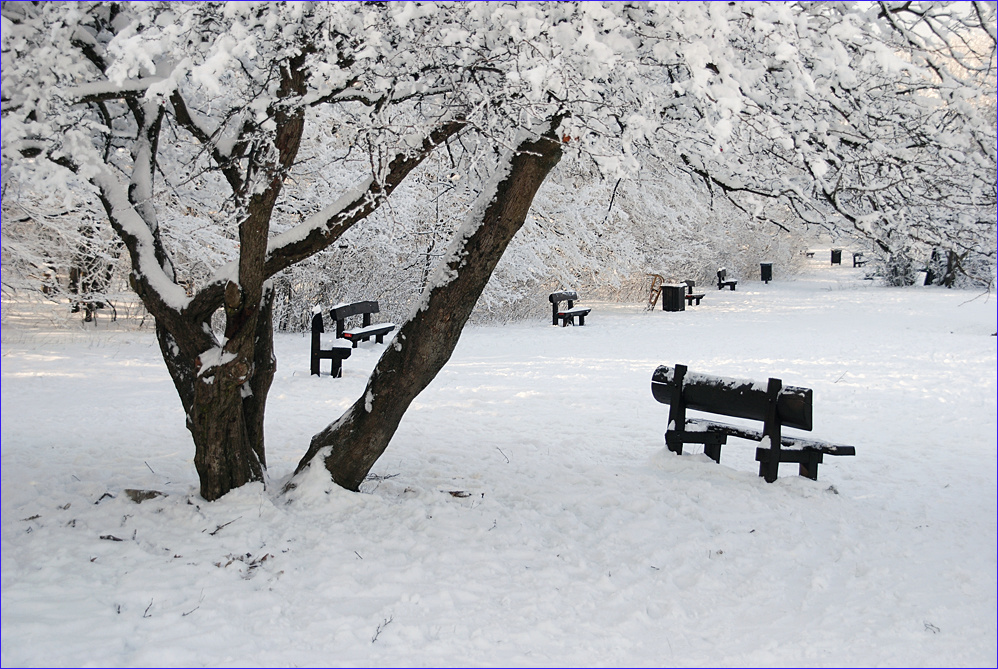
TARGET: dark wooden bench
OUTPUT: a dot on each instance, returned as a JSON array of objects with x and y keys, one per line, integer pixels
[
  {"x": 342, "y": 312},
  {"x": 723, "y": 281},
  {"x": 336, "y": 354},
  {"x": 777, "y": 406},
  {"x": 690, "y": 295},
  {"x": 571, "y": 312},
  {"x": 857, "y": 259},
  {"x": 809, "y": 254}
]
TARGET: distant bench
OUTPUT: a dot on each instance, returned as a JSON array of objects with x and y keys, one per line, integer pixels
[
  {"x": 336, "y": 354},
  {"x": 342, "y": 312},
  {"x": 690, "y": 295},
  {"x": 857, "y": 259},
  {"x": 777, "y": 406},
  {"x": 723, "y": 281},
  {"x": 569, "y": 313}
]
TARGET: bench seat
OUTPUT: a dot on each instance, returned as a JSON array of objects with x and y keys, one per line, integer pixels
[
  {"x": 807, "y": 453},
  {"x": 690, "y": 297},
  {"x": 569, "y": 315},
  {"x": 357, "y": 335},
  {"x": 786, "y": 441}
]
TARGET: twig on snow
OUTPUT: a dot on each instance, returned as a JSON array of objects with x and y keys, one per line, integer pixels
[
  {"x": 387, "y": 621},
  {"x": 217, "y": 529},
  {"x": 201, "y": 599}
]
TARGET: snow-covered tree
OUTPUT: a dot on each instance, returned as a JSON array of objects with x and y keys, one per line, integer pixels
[
  {"x": 888, "y": 133},
  {"x": 213, "y": 118}
]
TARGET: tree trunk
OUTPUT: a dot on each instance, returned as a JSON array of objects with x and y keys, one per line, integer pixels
[
  {"x": 224, "y": 394},
  {"x": 351, "y": 445},
  {"x": 224, "y": 453}
]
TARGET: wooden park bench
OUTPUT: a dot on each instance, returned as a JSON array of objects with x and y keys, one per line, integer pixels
[
  {"x": 342, "y": 312},
  {"x": 690, "y": 295},
  {"x": 571, "y": 312},
  {"x": 857, "y": 259},
  {"x": 336, "y": 354},
  {"x": 723, "y": 281},
  {"x": 777, "y": 406}
]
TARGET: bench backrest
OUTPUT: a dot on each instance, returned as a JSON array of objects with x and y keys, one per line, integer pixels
[
  {"x": 563, "y": 296},
  {"x": 722, "y": 274},
  {"x": 346, "y": 310},
  {"x": 318, "y": 326},
  {"x": 738, "y": 398},
  {"x": 690, "y": 283}
]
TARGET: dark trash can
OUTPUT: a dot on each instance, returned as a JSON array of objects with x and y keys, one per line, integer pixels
[
  {"x": 836, "y": 256},
  {"x": 767, "y": 271},
  {"x": 673, "y": 297}
]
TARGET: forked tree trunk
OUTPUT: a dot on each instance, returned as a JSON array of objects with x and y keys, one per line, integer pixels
[
  {"x": 350, "y": 446},
  {"x": 224, "y": 389}
]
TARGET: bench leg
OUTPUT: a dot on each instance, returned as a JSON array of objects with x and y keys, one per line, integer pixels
[
  {"x": 582, "y": 320},
  {"x": 768, "y": 469},
  {"x": 809, "y": 466},
  {"x": 336, "y": 368},
  {"x": 674, "y": 442},
  {"x": 712, "y": 442},
  {"x": 713, "y": 451}
]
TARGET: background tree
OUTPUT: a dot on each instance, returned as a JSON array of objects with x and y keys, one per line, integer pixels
[{"x": 891, "y": 138}]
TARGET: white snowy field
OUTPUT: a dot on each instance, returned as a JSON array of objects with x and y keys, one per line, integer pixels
[{"x": 526, "y": 512}]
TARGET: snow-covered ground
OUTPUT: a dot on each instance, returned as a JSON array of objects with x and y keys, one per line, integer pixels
[{"x": 526, "y": 512}]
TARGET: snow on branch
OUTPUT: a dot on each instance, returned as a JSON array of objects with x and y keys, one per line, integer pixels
[
  {"x": 101, "y": 91},
  {"x": 140, "y": 241}
]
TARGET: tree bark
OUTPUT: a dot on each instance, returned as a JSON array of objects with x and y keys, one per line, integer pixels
[
  {"x": 350, "y": 446},
  {"x": 224, "y": 403}
]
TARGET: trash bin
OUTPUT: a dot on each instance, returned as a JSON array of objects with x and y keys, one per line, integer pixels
[
  {"x": 767, "y": 271},
  {"x": 673, "y": 297},
  {"x": 836, "y": 256}
]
